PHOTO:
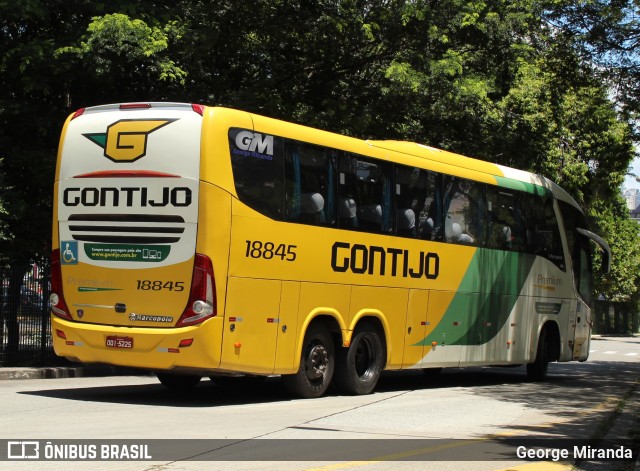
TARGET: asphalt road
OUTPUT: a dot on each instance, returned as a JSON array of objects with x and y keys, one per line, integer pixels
[{"x": 462, "y": 419}]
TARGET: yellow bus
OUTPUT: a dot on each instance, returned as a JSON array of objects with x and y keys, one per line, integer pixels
[{"x": 203, "y": 241}]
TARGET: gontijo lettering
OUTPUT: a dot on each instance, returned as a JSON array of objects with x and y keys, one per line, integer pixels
[
  {"x": 127, "y": 196},
  {"x": 361, "y": 259}
]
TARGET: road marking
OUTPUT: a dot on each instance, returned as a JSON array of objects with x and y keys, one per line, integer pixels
[
  {"x": 610, "y": 352},
  {"x": 542, "y": 466},
  {"x": 630, "y": 354},
  {"x": 396, "y": 456}
]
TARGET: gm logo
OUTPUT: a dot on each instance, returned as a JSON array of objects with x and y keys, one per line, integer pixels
[
  {"x": 126, "y": 140},
  {"x": 255, "y": 142}
]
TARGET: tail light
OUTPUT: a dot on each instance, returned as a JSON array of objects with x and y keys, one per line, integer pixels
[
  {"x": 79, "y": 112},
  {"x": 202, "y": 299},
  {"x": 58, "y": 304}
]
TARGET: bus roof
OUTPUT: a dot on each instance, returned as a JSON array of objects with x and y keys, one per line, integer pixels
[{"x": 504, "y": 176}]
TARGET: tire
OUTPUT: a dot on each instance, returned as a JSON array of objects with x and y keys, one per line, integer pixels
[
  {"x": 358, "y": 367},
  {"x": 537, "y": 371},
  {"x": 179, "y": 383},
  {"x": 317, "y": 363}
]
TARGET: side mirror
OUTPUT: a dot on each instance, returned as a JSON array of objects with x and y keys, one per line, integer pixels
[{"x": 606, "y": 250}]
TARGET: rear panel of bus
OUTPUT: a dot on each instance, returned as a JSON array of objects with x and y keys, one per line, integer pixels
[{"x": 125, "y": 241}]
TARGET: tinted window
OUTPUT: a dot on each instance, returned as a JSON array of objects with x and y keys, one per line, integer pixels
[
  {"x": 310, "y": 184},
  {"x": 364, "y": 194},
  {"x": 546, "y": 237},
  {"x": 304, "y": 183},
  {"x": 257, "y": 164},
  {"x": 580, "y": 250},
  {"x": 418, "y": 206},
  {"x": 465, "y": 220},
  {"x": 509, "y": 215}
]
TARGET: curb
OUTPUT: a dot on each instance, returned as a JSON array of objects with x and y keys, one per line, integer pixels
[{"x": 7, "y": 373}]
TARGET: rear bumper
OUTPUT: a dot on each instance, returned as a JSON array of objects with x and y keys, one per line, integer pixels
[{"x": 153, "y": 348}]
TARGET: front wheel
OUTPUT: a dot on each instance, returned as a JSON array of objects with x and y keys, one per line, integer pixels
[
  {"x": 316, "y": 364},
  {"x": 178, "y": 382},
  {"x": 359, "y": 366},
  {"x": 537, "y": 371}
]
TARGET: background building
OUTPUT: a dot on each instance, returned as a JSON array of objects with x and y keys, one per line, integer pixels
[{"x": 632, "y": 196}]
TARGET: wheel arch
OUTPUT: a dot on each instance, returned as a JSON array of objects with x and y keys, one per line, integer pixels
[
  {"x": 554, "y": 339},
  {"x": 327, "y": 316}
]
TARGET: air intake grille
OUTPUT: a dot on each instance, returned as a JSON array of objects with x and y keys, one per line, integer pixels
[{"x": 127, "y": 228}]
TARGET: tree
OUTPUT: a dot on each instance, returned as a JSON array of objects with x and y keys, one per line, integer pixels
[
  {"x": 36, "y": 83},
  {"x": 622, "y": 233},
  {"x": 607, "y": 34},
  {"x": 513, "y": 82}
]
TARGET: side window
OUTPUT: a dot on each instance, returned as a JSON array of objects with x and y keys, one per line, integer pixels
[
  {"x": 310, "y": 184},
  {"x": 364, "y": 194},
  {"x": 507, "y": 219},
  {"x": 546, "y": 237},
  {"x": 257, "y": 163},
  {"x": 465, "y": 219},
  {"x": 418, "y": 207}
]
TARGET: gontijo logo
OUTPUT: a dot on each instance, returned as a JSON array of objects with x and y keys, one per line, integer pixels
[{"x": 126, "y": 140}]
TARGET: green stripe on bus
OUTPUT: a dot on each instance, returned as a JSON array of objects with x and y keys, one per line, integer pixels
[
  {"x": 522, "y": 186},
  {"x": 485, "y": 298}
]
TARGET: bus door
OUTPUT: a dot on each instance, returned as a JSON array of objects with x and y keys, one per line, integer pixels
[
  {"x": 581, "y": 319},
  {"x": 582, "y": 273}
]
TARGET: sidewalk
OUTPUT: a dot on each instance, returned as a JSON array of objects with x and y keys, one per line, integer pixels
[
  {"x": 623, "y": 424},
  {"x": 65, "y": 372}
]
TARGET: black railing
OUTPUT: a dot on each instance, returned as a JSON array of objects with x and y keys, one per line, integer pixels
[{"x": 25, "y": 329}]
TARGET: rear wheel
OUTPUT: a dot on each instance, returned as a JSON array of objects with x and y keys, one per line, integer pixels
[
  {"x": 316, "y": 364},
  {"x": 358, "y": 367},
  {"x": 537, "y": 371},
  {"x": 178, "y": 382}
]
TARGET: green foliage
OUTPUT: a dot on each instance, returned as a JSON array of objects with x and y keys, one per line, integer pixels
[
  {"x": 520, "y": 83},
  {"x": 115, "y": 43},
  {"x": 622, "y": 234}
]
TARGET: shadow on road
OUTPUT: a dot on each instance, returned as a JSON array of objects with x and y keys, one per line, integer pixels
[{"x": 568, "y": 384}]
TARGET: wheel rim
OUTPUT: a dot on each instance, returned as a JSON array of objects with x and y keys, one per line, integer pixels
[
  {"x": 365, "y": 356},
  {"x": 316, "y": 363}
]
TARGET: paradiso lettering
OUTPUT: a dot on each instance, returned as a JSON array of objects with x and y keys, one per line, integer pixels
[
  {"x": 372, "y": 260},
  {"x": 127, "y": 196}
]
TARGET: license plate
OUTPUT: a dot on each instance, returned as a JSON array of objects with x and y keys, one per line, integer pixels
[{"x": 115, "y": 341}]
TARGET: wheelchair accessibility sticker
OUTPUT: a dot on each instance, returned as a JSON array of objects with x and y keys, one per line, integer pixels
[{"x": 69, "y": 252}]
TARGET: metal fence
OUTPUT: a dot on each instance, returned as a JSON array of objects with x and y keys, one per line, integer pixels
[
  {"x": 612, "y": 318},
  {"x": 25, "y": 330}
]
